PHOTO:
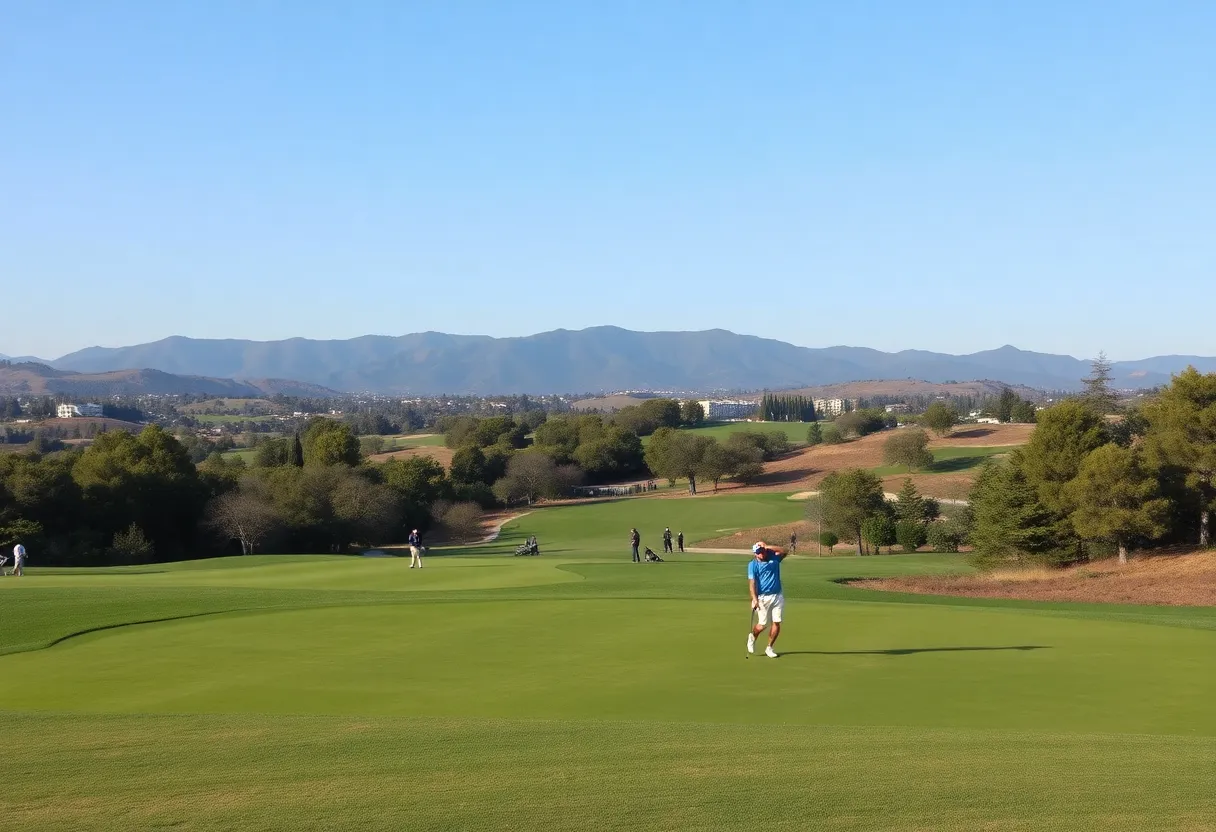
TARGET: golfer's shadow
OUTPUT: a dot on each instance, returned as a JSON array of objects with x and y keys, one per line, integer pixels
[{"x": 908, "y": 651}]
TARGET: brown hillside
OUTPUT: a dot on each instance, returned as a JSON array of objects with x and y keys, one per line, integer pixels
[{"x": 1173, "y": 579}]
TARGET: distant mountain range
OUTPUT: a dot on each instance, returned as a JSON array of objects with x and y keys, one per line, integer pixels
[
  {"x": 595, "y": 359},
  {"x": 35, "y": 379}
]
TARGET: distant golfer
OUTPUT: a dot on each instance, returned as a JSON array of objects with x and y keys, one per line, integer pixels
[
  {"x": 680, "y": 541},
  {"x": 764, "y": 584},
  {"x": 793, "y": 542},
  {"x": 18, "y": 560},
  {"x": 635, "y": 540},
  {"x": 667, "y": 540},
  {"x": 415, "y": 549}
]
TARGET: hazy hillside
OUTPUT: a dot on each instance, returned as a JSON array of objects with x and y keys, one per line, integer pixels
[
  {"x": 600, "y": 358},
  {"x": 39, "y": 379}
]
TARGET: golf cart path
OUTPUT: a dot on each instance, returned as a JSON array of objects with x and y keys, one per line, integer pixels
[{"x": 806, "y": 495}]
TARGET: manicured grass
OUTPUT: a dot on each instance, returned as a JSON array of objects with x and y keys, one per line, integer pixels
[
  {"x": 579, "y": 690},
  {"x": 950, "y": 460},
  {"x": 397, "y": 443},
  {"x": 247, "y": 454},
  {"x": 795, "y": 432}
]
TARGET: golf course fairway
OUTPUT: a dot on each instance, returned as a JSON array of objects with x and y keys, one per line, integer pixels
[{"x": 579, "y": 690}]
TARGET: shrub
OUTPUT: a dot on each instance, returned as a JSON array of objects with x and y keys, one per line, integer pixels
[
  {"x": 829, "y": 539},
  {"x": 941, "y": 537},
  {"x": 910, "y": 534}
]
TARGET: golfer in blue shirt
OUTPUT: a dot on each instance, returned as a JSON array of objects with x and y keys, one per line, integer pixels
[{"x": 764, "y": 583}]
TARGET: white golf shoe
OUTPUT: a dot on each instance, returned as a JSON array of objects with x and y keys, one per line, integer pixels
[
  {"x": 770, "y": 652},
  {"x": 751, "y": 643}
]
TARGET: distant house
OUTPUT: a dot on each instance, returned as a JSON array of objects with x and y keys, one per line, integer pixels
[
  {"x": 988, "y": 420},
  {"x": 897, "y": 408},
  {"x": 723, "y": 410},
  {"x": 70, "y": 411}
]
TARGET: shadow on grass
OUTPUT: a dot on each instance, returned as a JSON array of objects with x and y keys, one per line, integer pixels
[
  {"x": 959, "y": 463},
  {"x": 908, "y": 651}
]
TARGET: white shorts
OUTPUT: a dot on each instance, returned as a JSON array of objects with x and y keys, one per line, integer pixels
[{"x": 769, "y": 603}]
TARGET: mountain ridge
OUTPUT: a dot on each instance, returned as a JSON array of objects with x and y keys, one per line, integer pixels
[
  {"x": 603, "y": 358},
  {"x": 38, "y": 379}
]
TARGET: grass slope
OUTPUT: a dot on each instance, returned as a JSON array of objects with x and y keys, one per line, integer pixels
[{"x": 580, "y": 690}]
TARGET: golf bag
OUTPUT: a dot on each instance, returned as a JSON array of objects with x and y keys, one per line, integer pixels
[{"x": 651, "y": 557}]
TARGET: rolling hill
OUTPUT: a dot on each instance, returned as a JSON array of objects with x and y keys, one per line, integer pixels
[
  {"x": 595, "y": 359},
  {"x": 38, "y": 379}
]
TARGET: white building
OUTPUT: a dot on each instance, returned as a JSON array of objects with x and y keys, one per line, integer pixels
[
  {"x": 897, "y": 408},
  {"x": 827, "y": 408},
  {"x": 723, "y": 410},
  {"x": 68, "y": 411}
]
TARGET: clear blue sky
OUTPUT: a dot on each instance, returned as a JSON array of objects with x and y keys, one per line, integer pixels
[{"x": 940, "y": 175}]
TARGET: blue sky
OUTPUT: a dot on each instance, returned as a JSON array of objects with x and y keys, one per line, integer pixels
[{"x": 940, "y": 175}]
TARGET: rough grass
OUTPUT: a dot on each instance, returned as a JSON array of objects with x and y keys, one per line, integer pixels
[
  {"x": 578, "y": 690},
  {"x": 1188, "y": 580}
]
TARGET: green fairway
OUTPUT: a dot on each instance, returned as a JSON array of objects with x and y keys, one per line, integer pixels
[
  {"x": 413, "y": 440},
  {"x": 950, "y": 460},
  {"x": 795, "y": 432},
  {"x": 579, "y": 690}
]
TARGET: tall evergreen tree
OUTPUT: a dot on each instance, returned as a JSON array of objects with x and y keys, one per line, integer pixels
[
  {"x": 295, "y": 451},
  {"x": 1099, "y": 396}
]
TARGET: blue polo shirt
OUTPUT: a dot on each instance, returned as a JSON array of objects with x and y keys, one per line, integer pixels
[{"x": 766, "y": 574}]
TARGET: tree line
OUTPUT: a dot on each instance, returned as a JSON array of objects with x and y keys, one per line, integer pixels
[{"x": 1093, "y": 481}]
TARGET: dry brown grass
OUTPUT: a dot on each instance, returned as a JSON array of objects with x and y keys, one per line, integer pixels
[
  {"x": 440, "y": 454},
  {"x": 805, "y": 468},
  {"x": 1167, "y": 579},
  {"x": 778, "y": 535}
]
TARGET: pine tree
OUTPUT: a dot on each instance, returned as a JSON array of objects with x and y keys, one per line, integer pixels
[
  {"x": 1116, "y": 500},
  {"x": 1098, "y": 395},
  {"x": 909, "y": 504}
]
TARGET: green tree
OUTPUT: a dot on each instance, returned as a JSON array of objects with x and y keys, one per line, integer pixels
[
  {"x": 908, "y": 448},
  {"x": 468, "y": 466},
  {"x": 832, "y": 435},
  {"x": 1011, "y": 525},
  {"x": 1066, "y": 434},
  {"x": 909, "y": 504},
  {"x": 674, "y": 455},
  {"x": 146, "y": 479},
  {"x": 910, "y": 534},
  {"x": 329, "y": 442},
  {"x": 1099, "y": 396},
  {"x": 1005, "y": 403},
  {"x": 295, "y": 451},
  {"x": 271, "y": 453},
  {"x": 692, "y": 413},
  {"x": 860, "y": 422},
  {"x": 612, "y": 453},
  {"x": 814, "y": 434},
  {"x": 940, "y": 418},
  {"x": 878, "y": 530},
  {"x": 829, "y": 539},
  {"x": 942, "y": 537},
  {"x": 1023, "y": 412},
  {"x": 1116, "y": 499},
  {"x": 847, "y": 498},
  {"x": 1182, "y": 436}
]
